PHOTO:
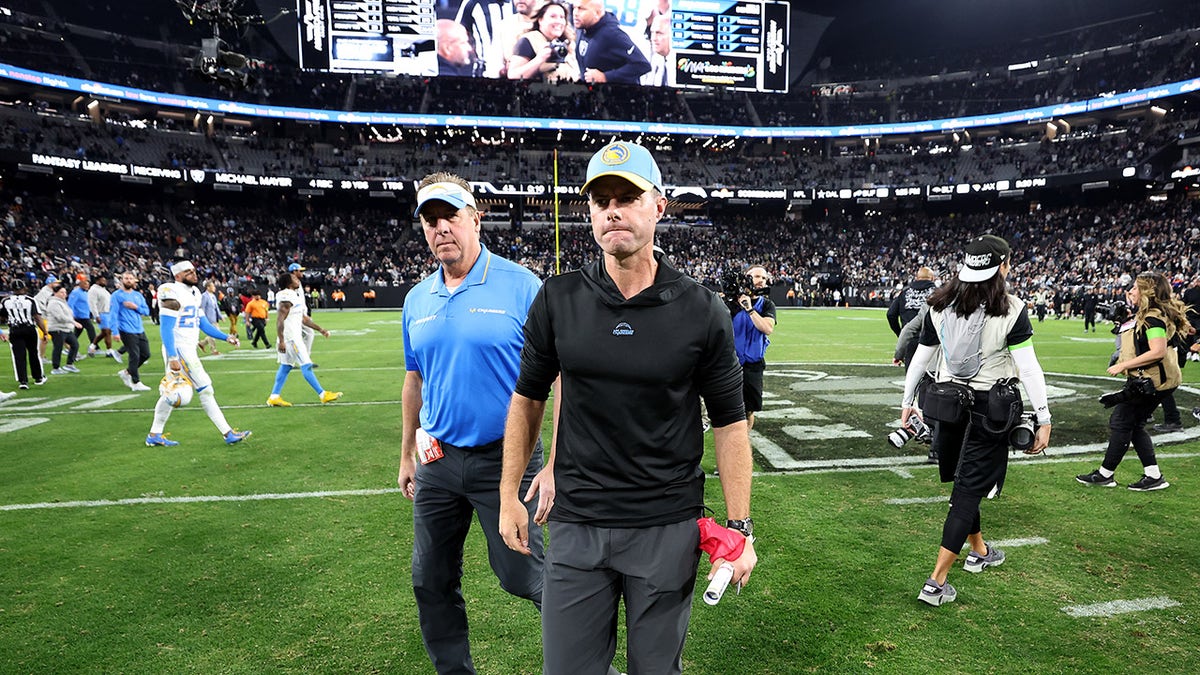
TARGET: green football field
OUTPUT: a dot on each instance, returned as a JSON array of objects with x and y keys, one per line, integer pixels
[{"x": 291, "y": 551}]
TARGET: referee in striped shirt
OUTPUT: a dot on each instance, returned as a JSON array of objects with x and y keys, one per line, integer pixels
[{"x": 20, "y": 313}]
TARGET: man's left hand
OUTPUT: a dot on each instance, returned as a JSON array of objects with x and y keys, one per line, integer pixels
[
  {"x": 543, "y": 486},
  {"x": 233, "y": 340},
  {"x": 744, "y": 301},
  {"x": 593, "y": 75},
  {"x": 742, "y": 567}
]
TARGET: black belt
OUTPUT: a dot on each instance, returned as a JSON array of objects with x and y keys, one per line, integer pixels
[{"x": 486, "y": 447}]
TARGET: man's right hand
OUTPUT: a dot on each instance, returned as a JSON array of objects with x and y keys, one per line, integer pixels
[
  {"x": 407, "y": 480},
  {"x": 514, "y": 524}
]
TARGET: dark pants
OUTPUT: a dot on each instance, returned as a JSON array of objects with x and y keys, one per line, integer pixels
[
  {"x": 86, "y": 324},
  {"x": 449, "y": 492},
  {"x": 590, "y": 569},
  {"x": 61, "y": 337},
  {"x": 1089, "y": 320},
  {"x": 24, "y": 343},
  {"x": 137, "y": 347},
  {"x": 1127, "y": 424},
  {"x": 258, "y": 331}
]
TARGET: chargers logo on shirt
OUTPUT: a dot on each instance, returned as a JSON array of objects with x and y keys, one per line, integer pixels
[{"x": 623, "y": 329}]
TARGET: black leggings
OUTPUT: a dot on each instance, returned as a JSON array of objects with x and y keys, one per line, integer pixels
[{"x": 1127, "y": 424}]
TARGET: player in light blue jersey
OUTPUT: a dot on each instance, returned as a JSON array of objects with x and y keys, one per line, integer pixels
[{"x": 182, "y": 320}]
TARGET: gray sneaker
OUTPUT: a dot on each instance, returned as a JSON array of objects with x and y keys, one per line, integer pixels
[
  {"x": 977, "y": 563},
  {"x": 936, "y": 594}
]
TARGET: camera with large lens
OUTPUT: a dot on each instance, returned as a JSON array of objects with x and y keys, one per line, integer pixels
[
  {"x": 1116, "y": 311},
  {"x": 559, "y": 49},
  {"x": 1135, "y": 387},
  {"x": 735, "y": 284},
  {"x": 914, "y": 429},
  {"x": 1023, "y": 433}
]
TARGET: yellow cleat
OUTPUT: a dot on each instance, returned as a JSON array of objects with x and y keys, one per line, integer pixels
[
  {"x": 278, "y": 402},
  {"x": 330, "y": 396}
]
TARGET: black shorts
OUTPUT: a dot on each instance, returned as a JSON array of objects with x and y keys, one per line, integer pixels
[
  {"x": 752, "y": 385},
  {"x": 978, "y": 464}
]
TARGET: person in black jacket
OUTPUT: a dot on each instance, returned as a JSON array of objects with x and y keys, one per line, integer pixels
[
  {"x": 605, "y": 52},
  {"x": 637, "y": 345},
  {"x": 908, "y": 303}
]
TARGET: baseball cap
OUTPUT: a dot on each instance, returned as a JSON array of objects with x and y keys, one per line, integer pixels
[
  {"x": 983, "y": 257},
  {"x": 630, "y": 161},
  {"x": 451, "y": 193},
  {"x": 296, "y": 267},
  {"x": 50, "y": 278},
  {"x": 181, "y": 267}
]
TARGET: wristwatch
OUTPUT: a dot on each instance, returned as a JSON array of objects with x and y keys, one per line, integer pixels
[{"x": 746, "y": 526}]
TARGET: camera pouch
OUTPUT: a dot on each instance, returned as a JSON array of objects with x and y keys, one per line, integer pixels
[
  {"x": 1004, "y": 405},
  {"x": 948, "y": 402}
]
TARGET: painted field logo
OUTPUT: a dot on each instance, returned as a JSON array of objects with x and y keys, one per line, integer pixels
[{"x": 818, "y": 416}]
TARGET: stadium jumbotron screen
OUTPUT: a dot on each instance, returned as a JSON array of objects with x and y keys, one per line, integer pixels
[{"x": 737, "y": 44}]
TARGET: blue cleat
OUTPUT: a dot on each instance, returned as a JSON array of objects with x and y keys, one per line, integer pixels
[
  {"x": 235, "y": 436},
  {"x": 160, "y": 439}
]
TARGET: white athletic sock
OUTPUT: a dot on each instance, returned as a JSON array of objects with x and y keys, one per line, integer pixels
[
  {"x": 162, "y": 412},
  {"x": 1106, "y": 473},
  {"x": 209, "y": 402},
  {"x": 1152, "y": 471}
]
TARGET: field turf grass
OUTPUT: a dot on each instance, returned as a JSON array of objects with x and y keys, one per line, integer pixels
[{"x": 290, "y": 552}]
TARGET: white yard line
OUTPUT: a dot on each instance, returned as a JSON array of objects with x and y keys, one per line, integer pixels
[
  {"x": 1115, "y": 607},
  {"x": 193, "y": 500},
  {"x": 916, "y": 500}
]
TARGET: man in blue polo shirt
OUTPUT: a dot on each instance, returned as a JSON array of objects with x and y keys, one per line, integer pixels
[
  {"x": 128, "y": 308},
  {"x": 82, "y": 311},
  {"x": 462, "y": 330}
]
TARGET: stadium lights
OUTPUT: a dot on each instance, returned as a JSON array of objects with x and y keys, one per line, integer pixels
[
  {"x": 93, "y": 104},
  {"x": 1157, "y": 111}
]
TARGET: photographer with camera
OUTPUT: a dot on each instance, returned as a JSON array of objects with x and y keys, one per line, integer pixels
[
  {"x": 546, "y": 53},
  {"x": 1151, "y": 368},
  {"x": 973, "y": 404},
  {"x": 753, "y": 316}
]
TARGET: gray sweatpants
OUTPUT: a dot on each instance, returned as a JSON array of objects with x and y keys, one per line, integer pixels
[{"x": 589, "y": 569}]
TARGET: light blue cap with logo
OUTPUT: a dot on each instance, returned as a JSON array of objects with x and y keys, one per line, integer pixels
[
  {"x": 630, "y": 161},
  {"x": 451, "y": 193}
]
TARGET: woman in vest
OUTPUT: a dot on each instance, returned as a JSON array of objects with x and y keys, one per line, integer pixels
[
  {"x": 1144, "y": 353},
  {"x": 546, "y": 53},
  {"x": 985, "y": 336}
]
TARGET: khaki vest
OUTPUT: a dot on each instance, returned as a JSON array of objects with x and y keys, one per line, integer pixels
[{"x": 1165, "y": 374}]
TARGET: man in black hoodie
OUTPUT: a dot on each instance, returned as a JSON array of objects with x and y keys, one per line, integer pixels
[
  {"x": 637, "y": 345},
  {"x": 906, "y": 305},
  {"x": 605, "y": 52}
]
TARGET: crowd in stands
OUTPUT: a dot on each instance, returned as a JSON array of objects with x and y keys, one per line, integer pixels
[
  {"x": 857, "y": 260},
  {"x": 396, "y": 154}
]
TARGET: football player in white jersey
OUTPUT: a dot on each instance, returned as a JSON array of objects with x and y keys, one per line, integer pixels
[
  {"x": 295, "y": 269},
  {"x": 290, "y": 319},
  {"x": 182, "y": 320}
]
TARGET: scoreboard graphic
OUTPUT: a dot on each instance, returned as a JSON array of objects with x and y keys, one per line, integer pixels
[
  {"x": 739, "y": 44},
  {"x": 735, "y": 44},
  {"x": 368, "y": 35}
]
